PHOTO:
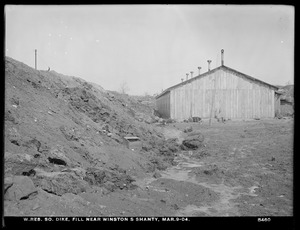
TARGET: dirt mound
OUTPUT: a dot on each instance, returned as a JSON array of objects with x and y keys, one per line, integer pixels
[{"x": 67, "y": 134}]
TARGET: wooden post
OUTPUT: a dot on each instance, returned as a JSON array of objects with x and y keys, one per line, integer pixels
[{"x": 35, "y": 58}]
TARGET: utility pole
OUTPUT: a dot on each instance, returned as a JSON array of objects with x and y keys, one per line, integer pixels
[{"x": 35, "y": 58}]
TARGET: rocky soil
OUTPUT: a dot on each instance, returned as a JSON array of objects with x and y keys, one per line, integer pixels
[
  {"x": 65, "y": 155},
  {"x": 66, "y": 136}
]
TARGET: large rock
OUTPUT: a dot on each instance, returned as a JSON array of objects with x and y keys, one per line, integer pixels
[
  {"x": 193, "y": 142},
  {"x": 18, "y": 157},
  {"x": 18, "y": 163},
  {"x": 157, "y": 175},
  {"x": 21, "y": 187},
  {"x": 62, "y": 183},
  {"x": 58, "y": 153}
]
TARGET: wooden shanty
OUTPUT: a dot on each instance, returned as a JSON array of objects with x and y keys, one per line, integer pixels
[{"x": 221, "y": 92}]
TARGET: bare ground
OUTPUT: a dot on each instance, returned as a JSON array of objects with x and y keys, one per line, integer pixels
[
  {"x": 249, "y": 164},
  {"x": 245, "y": 169}
]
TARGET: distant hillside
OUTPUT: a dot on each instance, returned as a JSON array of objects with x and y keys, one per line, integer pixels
[{"x": 288, "y": 92}]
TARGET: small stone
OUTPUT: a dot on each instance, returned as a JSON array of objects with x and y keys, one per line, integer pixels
[
  {"x": 156, "y": 175},
  {"x": 36, "y": 206},
  {"x": 27, "y": 157},
  {"x": 175, "y": 206},
  {"x": 188, "y": 129}
]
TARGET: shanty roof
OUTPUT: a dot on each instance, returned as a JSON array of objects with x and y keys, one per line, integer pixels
[{"x": 212, "y": 71}]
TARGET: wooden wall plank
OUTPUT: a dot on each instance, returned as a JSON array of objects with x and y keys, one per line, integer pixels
[
  {"x": 231, "y": 103},
  {"x": 262, "y": 103},
  {"x": 249, "y": 103},
  {"x": 252, "y": 103},
  {"x": 236, "y": 103},
  {"x": 258, "y": 103},
  {"x": 270, "y": 101},
  {"x": 273, "y": 103}
]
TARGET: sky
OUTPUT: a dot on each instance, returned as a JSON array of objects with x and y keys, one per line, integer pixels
[{"x": 149, "y": 48}]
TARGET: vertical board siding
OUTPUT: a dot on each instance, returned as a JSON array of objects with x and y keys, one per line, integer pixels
[
  {"x": 163, "y": 105},
  {"x": 273, "y": 103},
  {"x": 235, "y": 97}
]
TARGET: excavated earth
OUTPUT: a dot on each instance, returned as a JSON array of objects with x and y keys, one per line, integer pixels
[{"x": 65, "y": 155}]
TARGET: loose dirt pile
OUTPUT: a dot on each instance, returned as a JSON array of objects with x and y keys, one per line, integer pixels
[{"x": 66, "y": 136}]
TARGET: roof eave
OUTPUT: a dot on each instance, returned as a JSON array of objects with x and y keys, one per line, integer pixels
[{"x": 252, "y": 78}]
